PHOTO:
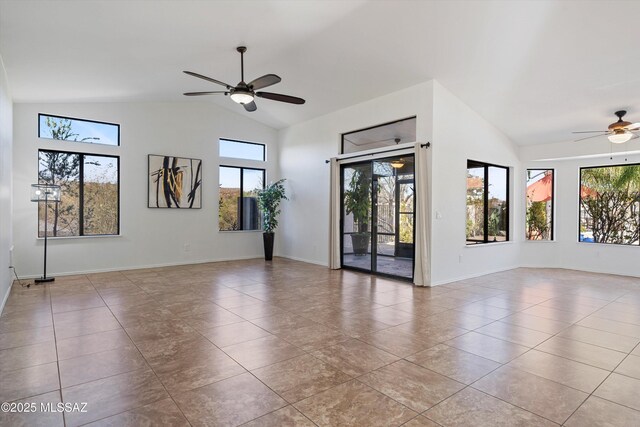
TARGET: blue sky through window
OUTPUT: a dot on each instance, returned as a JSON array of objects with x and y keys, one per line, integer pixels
[
  {"x": 229, "y": 177},
  {"x": 497, "y": 183},
  {"x": 106, "y": 133},
  {"x": 242, "y": 150}
]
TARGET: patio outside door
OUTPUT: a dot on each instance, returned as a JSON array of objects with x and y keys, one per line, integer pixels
[{"x": 378, "y": 216}]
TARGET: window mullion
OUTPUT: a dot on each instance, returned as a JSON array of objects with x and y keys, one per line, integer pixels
[
  {"x": 241, "y": 213},
  {"x": 486, "y": 204},
  {"x": 507, "y": 207},
  {"x": 81, "y": 196}
]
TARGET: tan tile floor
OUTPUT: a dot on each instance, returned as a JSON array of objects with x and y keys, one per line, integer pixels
[{"x": 289, "y": 343}]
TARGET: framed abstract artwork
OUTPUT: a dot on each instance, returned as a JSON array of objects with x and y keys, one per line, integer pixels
[{"x": 175, "y": 182}]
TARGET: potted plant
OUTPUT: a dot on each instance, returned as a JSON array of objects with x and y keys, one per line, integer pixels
[
  {"x": 269, "y": 200},
  {"x": 357, "y": 201}
]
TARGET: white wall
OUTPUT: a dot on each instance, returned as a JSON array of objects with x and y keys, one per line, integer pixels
[
  {"x": 566, "y": 251},
  {"x": 149, "y": 237},
  {"x": 460, "y": 134},
  {"x": 304, "y": 225},
  {"x": 457, "y": 134},
  {"x": 191, "y": 129},
  {"x": 6, "y": 143}
]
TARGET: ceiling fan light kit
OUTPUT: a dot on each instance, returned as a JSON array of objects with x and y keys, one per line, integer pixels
[
  {"x": 245, "y": 93},
  {"x": 241, "y": 96},
  {"x": 618, "y": 132},
  {"x": 620, "y": 137}
]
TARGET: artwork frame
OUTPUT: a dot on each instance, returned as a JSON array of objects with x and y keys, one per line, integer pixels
[{"x": 174, "y": 182}]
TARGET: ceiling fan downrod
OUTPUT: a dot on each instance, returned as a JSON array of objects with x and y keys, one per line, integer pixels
[{"x": 242, "y": 50}]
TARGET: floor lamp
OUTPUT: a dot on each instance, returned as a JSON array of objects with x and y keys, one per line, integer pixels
[{"x": 45, "y": 193}]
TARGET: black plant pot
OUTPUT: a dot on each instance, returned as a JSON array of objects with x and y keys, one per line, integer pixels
[
  {"x": 267, "y": 239},
  {"x": 360, "y": 243}
]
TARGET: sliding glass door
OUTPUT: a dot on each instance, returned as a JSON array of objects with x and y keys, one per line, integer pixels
[{"x": 378, "y": 216}]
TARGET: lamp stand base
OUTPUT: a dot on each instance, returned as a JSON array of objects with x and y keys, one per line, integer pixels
[{"x": 44, "y": 279}]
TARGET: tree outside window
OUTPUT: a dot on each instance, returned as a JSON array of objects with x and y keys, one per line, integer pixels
[
  {"x": 610, "y": 204},
  {"x": 540, "y": 202},
  {"x": 238, "y": 202},
  {"x": 89, "y": 186},
  {"x": 487, "y": 217}
]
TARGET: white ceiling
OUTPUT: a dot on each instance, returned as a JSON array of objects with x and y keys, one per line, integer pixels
[{"x": 535, "y": 69}]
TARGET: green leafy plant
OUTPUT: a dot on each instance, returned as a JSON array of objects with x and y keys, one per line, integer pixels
[
  {"x": 269, "y": 200},
  {"x": 537, "y": 224},
  {"x": 611, "y": 203},
  {"x": 357, "y": 198},
  {"x": 494, "y": 220}
]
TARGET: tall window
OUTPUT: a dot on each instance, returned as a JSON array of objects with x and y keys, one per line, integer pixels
[
  {"x": 610, "y": 204},
  {"x": 78, "y": 130},
  {"x": 239, "y": 185},
  {"x": 540, "y": 199},
  {"x": 89, "y": 192},
  {"x": 238, "y": 204},
  {"x": 487, "y": 203}
]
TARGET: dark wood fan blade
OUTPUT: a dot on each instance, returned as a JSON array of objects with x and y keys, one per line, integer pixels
[
  {"x": 203, "y": 93},
  {"x": 280, "y": 97},
  {"x": 592, "y": 131},
  {"x": 250, "y": 106},
  {"x": 264, "y": 81},
  {"x": 593, "y": 136},
  {"x": 209, "y": 79}
]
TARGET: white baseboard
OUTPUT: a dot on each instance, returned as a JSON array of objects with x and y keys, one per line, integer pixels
[
  {"x": 141, "y": 267},
  {"x": 583, "y": 269},
  {"x": 473, "y": 275},
  {"x": 6, "y": 297},
  {"x": 308, "y": 261}
]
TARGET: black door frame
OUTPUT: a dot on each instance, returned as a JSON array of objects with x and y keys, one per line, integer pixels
[{"x": 374, "y": 226}]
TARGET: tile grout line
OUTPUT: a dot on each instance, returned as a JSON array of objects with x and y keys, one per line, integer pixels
[
  {"x": 389, "y": 306},
  {"x": 55, "y": 339},
  {"x": 602, "y": 382},
  {"x": 142, "y": 355},
  {"x": 499, "y": 367},
  {"x": 356, "y": 378},
  {"x": 532, "y": 348}
]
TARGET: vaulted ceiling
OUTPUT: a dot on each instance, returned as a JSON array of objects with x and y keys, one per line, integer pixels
[{"x": 535, "y": 69}]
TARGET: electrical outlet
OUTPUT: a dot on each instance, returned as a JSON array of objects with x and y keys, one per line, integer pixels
[
  {"x": 460, "y": 258},
  {"x": 186, "y": 247}
]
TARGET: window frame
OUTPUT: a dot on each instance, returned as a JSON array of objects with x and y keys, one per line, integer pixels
[
  {"x": 580, "y": 203},
  {"x": 81, "y": 120},
  {"x": 241, "y": 210},
  {"x": 552, "y": 235},
  {"x": 81, "y": 193},
  {"x": 486, "y": 166},
  {"x": 264, "y": 150},
  {"x": 374, "y": 127}
]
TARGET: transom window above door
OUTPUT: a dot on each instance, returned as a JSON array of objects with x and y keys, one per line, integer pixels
[{"x": 384, "y": 135}]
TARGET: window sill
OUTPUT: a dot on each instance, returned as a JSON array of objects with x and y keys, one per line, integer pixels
[
  {"x": 484, "y": 245},
  {"x": 240, "y": 231},
  {"x": 100, "y": 236},
  {"x": 540, "y": 241}
]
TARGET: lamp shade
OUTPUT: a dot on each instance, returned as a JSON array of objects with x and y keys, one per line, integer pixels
[
  {"x": 45, "y": 193},
  {"x": 242, "y": 97},
  {"x": 620, "y": 138}
]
